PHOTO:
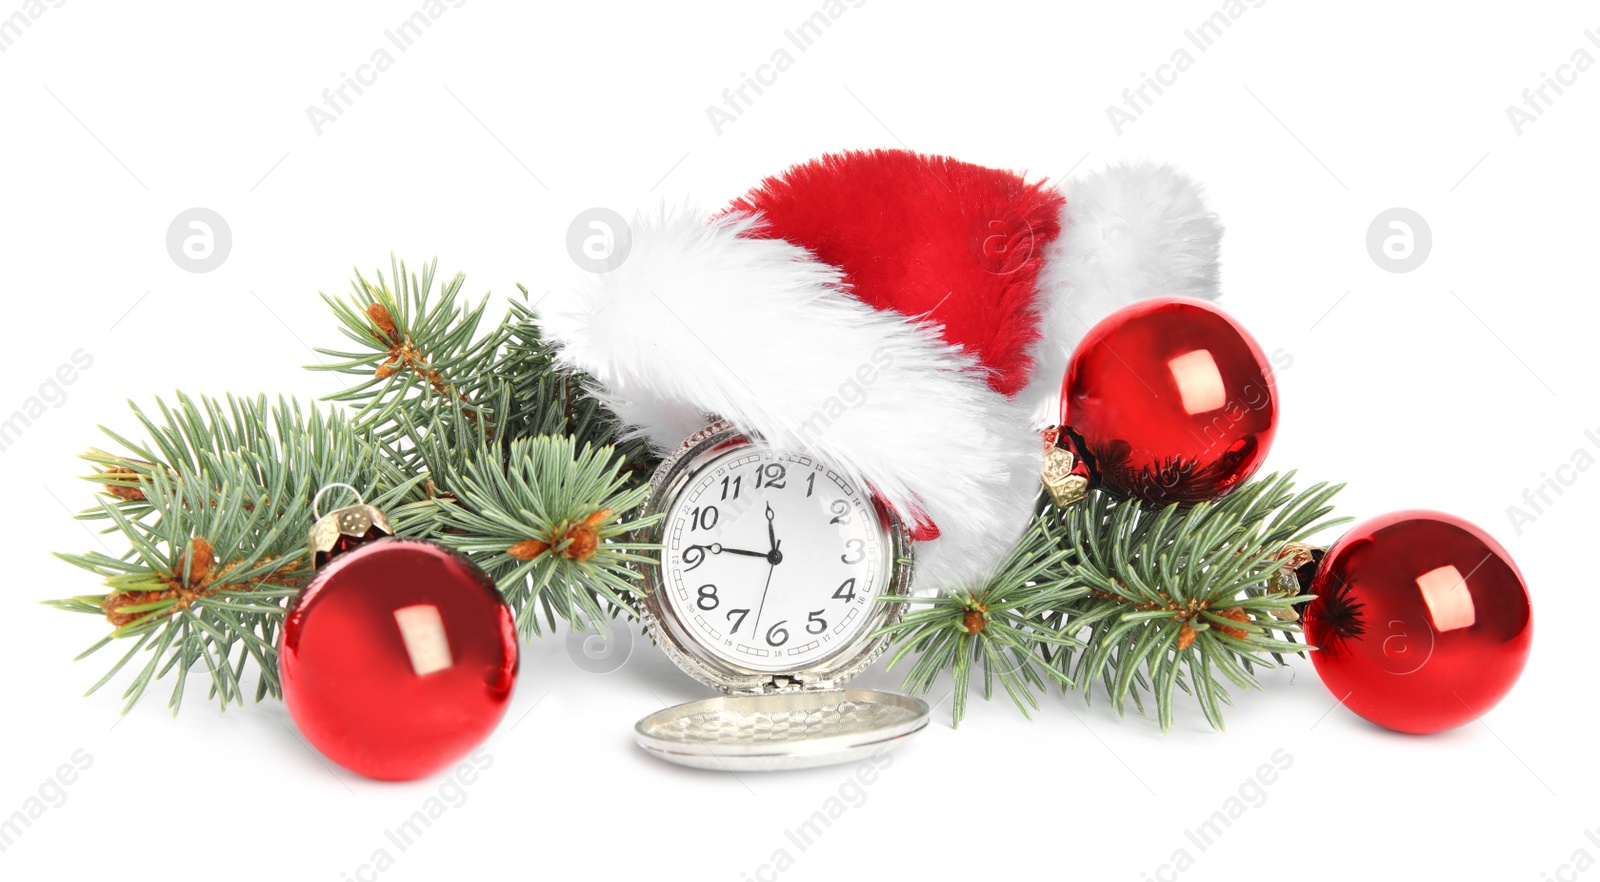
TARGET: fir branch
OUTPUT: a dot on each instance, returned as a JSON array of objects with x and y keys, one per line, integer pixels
[
  {"x": 412, "y": 348},
  {"x": 547, "y": 522},
  {"x": 1145, "y": 601},
  {"x": 239, "y": 439},
  {"x": 214, "y": 507},
  {"x": 433, "y": 389},
  {"x": 523, "y": 393},
  {"x": 437, "y": 440},
  {"x": 1001, "y": 626},
  {"x": 1178, "y": 598},
  {"x": 546, "y": 398}
]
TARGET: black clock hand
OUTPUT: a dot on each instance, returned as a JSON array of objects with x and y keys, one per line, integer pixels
[
  {"x": 695, "y": 555},
  {"x": 774, "y": 556},
  {"x": 718, "y": 549},
  {"x": 756, "y": 628},
  {"x": 772, "y": 535}
]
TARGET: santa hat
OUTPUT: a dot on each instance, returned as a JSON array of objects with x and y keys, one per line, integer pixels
[{"x": 906, "y": 318}]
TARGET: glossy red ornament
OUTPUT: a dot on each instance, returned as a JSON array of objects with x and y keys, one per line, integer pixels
[
  {"x": 1169, "y": 400},
  {"x": 1421, "y": 621},
  {"x": 398, "y": 658}
]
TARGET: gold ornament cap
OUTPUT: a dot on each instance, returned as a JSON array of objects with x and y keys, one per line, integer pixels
[
  {"x": 1297, "y": 564},
  {"x": 1063, "y": 473},
  {"x": 345, "y": 528}
]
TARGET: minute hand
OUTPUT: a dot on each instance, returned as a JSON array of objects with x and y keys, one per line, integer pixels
[{"x": 771, "y": 568}]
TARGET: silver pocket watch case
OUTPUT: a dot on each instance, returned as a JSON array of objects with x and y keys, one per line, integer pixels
[{"x": 770, "y": 719}]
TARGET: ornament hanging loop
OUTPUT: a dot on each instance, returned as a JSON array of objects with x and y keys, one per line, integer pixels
[
  {"x": 344, "y": 528},
  {"x": 316, "y": 501}
]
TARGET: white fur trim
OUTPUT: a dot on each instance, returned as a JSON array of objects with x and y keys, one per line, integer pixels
[
  {"x": 1131, "y": 231},
  {"x": 699, "y": 319}
]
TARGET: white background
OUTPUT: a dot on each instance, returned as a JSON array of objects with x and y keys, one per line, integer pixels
[{"x": 1455, "y": 386}]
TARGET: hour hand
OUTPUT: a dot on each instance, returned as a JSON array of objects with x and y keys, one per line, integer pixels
[
  {"x": 695, "y": 555},
  {"x": 719, "y": 549}
]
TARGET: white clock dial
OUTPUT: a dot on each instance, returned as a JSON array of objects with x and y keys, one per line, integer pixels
[{"x": 772, "y": 561}]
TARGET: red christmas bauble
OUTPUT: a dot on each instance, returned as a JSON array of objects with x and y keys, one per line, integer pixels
[
  {"x": 398, "y": 658},
  {"x": 1170, "y": 400},
  {"x": 1421, "y": 621}
]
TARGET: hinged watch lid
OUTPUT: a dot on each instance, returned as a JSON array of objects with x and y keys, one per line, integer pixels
[
  {"x": 786, "y": 705},
  {"x": 781, "y": 730}
]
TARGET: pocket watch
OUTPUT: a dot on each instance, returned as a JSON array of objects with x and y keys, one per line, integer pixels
[{"x": 767, "y": 588}]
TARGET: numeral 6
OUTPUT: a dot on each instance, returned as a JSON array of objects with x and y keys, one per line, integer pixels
[{"x": 777, "y": 635}]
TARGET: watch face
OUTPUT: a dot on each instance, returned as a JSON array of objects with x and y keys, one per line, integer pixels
[{"x": 772, "y": 561}]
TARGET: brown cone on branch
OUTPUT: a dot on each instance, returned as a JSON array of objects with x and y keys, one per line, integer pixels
[
  {"x": 1238, "y": 615},
  {"x": 384, "y": 322}
]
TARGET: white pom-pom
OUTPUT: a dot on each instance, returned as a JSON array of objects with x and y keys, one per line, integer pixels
[{"x": 1131, "y": 231}]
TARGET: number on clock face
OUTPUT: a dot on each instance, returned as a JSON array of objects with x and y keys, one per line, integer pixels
[{"x": 772, "y": 560}]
